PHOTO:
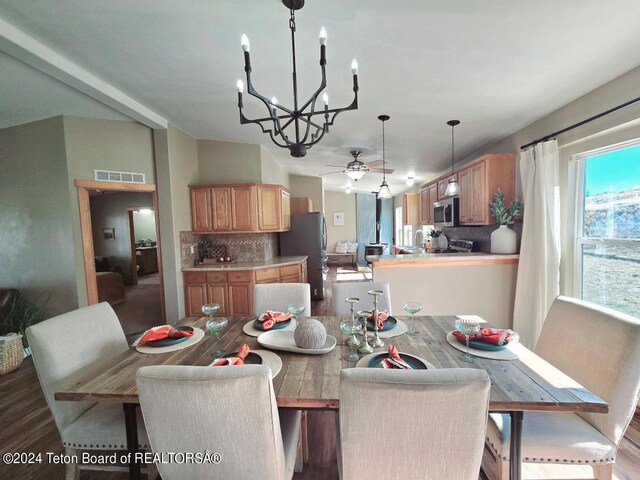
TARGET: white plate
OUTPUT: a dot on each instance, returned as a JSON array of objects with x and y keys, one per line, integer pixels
[{"x": 284, "y": 340}]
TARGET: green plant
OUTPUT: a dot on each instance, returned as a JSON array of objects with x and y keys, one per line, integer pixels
[
  {"x": 435, "y": 233},
  {"x": 504, "y": 215},
  {"x": 22, "y": 313},
  {"x": 204, "y": 247}
]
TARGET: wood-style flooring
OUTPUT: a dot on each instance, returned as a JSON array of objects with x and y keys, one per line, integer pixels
[{"x": 27, "y": 426}]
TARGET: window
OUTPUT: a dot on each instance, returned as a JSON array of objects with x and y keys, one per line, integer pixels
[{"x": 608, "y": 240}]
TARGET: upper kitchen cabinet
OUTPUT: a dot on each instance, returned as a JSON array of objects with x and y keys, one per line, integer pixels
[
  {"x": 411, "y": 209},
  {"x": 428, "y": 195},
  {"x": 301, "y": 205},
  {"x": 479, "y": 182},
  {"x": 240, "y": 208}
]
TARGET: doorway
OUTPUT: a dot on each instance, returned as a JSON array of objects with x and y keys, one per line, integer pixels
[{"x": 108, "y": 212}]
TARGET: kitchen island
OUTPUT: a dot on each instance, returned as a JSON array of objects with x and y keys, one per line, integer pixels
[{"x": 451, "y": 283}]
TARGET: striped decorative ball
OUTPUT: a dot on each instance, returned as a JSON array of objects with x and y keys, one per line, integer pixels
[{"x": 310, "y": 333}]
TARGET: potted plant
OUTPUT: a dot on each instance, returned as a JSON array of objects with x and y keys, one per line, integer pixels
[
  {"x": 21, "y": 313},
  {"x": 503, "y": 239},
  {"x": 438, "y": 241},
  {"x": 204, "y": 248}
]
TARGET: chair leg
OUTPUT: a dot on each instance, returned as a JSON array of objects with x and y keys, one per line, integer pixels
[
  {"x": 502, "y": 469},
  {"x": 603, "y": 472},
  {"x": 304, "y": 437},
  {"x": 72, "y": 470}
]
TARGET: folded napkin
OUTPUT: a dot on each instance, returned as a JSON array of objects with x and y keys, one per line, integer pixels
[
  {"x": 383, "y": 316},
  {"x": 239, "y": 360},
  {"x": 160, "y": 333},
  {"x": 270, "y": 318},
  {"x": 394, "y": 360},
  {"x": 495, "y": 336}
]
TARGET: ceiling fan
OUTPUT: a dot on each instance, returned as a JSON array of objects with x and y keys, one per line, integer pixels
[{"x": 356, "y": 169}]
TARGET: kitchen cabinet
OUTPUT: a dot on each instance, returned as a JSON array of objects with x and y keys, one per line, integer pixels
[
  {"x": 428, "y": 195},
  {"x": 301, "y": 205},
  {"x": 240, "y": 208},
  {"x": 479, "y": 182},
  {"x": 411, "y": 209},
  {"x": 147, "y": 260}
]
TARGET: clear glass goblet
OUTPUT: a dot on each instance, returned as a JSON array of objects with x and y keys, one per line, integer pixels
[
  {"x": 467, "y": 328},
  {"x": 349, "y": 328},
  {"x": 210, "y": 309},
  {"x": 296, "y": 310},
  {"x": 214, "y": 327},
  {"x": 412, "y": 308}
]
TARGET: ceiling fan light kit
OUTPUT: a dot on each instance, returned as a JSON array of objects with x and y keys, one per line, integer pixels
[
  {"x": 305, "y": 124},
  {"x": 384, "y": 191},
  {"x": 453, "y": 188}
]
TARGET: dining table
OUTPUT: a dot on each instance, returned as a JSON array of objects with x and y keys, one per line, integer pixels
[{"x": 312, "y": 382}]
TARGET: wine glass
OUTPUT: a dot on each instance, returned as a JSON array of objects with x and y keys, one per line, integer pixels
[
  {"x": 467, "y": 328},
  {"x": 210, "y": 309},
  {"x": 412, "y": 308},
  {"x": 350, "y": 328},
  {"x": 296, "y": 310},
  {"x": 214, "y": 327}
]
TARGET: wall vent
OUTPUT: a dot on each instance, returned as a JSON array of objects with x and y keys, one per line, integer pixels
[{"x": 112, "y": 176}]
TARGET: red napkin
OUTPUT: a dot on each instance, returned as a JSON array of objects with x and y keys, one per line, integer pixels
[
  {"x": 270, "y": 318},
  {"x": 382, "y": 317},
  {"x": 394, "y": 360},
  {"x": 160, "y": 333},
  {"x": 239, "y": 360},
  {"x": 495, "y": 336}
]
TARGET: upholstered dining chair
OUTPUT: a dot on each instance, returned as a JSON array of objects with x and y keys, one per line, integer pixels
[
  {"x": 420, "y": 424},
  {"x": 600, "y": 349},
  {"x": 278, "y": 296},
  {"x": 81, "y": 340},
  {"x": 342, "y": 290},
  {"x": 230, "y": 411}
]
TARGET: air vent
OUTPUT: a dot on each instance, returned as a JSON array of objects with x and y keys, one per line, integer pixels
[{"x": 111, "y": 176}]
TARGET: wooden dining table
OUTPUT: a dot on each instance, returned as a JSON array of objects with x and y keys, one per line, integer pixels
[{"x": 312, "y": 382}]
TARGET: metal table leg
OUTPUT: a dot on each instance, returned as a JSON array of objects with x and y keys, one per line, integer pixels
[
  {"x": 131, "y": 425},
  {"x": 515, "y": 454}
]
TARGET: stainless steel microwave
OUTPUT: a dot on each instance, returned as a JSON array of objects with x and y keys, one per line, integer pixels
[{"x": 446, "y": 212}]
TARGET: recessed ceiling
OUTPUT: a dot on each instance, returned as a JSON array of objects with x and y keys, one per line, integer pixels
[{"x": 497, "y": 66}]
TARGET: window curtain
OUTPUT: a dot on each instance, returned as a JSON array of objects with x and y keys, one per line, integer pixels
[{"x": 538, "y": 281}]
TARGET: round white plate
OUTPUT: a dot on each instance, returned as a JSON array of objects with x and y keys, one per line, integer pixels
[
  {"x": 509, "y": 353},
  {"x": 198, "y": 335},
  {"x": 284, "y": 340},
  {"x": 252, "y": 331}
]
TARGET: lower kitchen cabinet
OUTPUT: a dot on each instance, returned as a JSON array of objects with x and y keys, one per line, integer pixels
[{"x": 195, "y": 297}]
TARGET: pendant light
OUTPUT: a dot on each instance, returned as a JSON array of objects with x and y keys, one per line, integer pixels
[
  {"x": 384, "y": 191},
  {"x": 453, "y": 189}
]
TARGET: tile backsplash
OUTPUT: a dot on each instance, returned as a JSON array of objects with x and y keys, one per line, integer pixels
[
  {"x": 250, "y": 247},
  {"x": 480, "y": 235}
]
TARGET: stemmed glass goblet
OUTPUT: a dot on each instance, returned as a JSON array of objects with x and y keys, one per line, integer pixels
[
  {"x": 350, "y": 328},
  {"x": 296, "y": 310},
  {"x": 467, "y": 328},
  {"x": 214, "y": 327},
  {"x": 353, "y": 340},
  {"x": 210, "y": 309},
  {"x": 412, "y": 308}
]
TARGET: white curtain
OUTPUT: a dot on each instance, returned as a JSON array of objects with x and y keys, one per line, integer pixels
[{"x": 539, "y": 267}]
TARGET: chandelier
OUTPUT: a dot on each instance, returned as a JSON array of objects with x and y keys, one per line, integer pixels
[{"x": 305, "y": 125}]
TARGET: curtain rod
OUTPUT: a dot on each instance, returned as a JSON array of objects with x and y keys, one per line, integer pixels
[{"x": 579, "y": 124}]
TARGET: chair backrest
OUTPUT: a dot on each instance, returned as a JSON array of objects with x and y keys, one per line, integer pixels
[
  {"x": 278, "y": 296},
  {"x": 424, "y": 423},
  {"x": 231, "y": 411},
  {"x": 342, "y": 290},
  {"x": 600, "y": 349},
  {"x": 65, "y": 345}
]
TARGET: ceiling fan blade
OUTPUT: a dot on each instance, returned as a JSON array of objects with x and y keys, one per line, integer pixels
[
  {"x": 337, "y": 166},
  {"x": 331, "y": 173},
  {"x": 387, "y": 171},
  {"x": 374, "y": 164}
]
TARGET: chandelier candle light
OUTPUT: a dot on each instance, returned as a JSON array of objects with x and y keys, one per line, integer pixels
[
  {"x": 304, "y": 120},
  {"x": 453, "y": 189}
]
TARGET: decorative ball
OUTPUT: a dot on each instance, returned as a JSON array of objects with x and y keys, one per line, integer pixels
[{"x": 310, "y": 333}]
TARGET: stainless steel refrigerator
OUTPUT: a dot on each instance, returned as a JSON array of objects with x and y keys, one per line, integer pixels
[{"x": 308, "y": 236}]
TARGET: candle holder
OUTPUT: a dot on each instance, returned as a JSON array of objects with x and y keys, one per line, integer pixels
[
  {"x": 364, "y": 347},
  {"x": 353, "y": 341},
  {"x": 376, "y": 342}
]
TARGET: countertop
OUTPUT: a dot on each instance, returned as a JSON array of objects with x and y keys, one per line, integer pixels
[
  {"x": 272, "y": 262},
  {"x": 441, "y": 258}
]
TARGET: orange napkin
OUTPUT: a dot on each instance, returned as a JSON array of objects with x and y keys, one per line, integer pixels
[
  {"x": 495, "y": 336},
  {"x": 270, "y": 318},
  {"x": 160, "y": 333},
  {"x": 394, "y": 360},
  {"x": 239, "y": 360},
  {"x": 382, "y": 317}
]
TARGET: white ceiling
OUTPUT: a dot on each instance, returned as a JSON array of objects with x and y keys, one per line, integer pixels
[{"x": 497, "y": 66}]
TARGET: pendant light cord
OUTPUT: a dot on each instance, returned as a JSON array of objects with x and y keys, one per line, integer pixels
[
  {"x": 384, "y": 167},
  {"x": 452, "y": 157}
]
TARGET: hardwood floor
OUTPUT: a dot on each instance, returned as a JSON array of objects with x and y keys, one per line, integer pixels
[{"x": 27, "y": 426}]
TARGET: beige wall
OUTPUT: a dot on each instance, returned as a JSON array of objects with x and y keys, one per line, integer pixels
[
  {"x": 227, "y": 162},
  {"x": 272, "y": 171},
  {"x": 340, "y": 202},
  {"x": 304, "y": 186},
  {"x": 144, "y": 226},
  {"x": 36, "y": 242},
  {"x": 176, "y": 168}
]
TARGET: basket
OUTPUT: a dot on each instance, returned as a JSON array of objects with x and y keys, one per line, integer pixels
[{"x": 11, "y": 353}]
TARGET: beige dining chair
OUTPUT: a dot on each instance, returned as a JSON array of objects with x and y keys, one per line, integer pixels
[
  {"x": 66, "y": 345},
  {"x": 600, "y": 349},
  {"x": 278, "y": 296},
  {"x": 342, "y": 290},
  {"x": 410, "y": 425},
  {"x": 228, "y": 411}
]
